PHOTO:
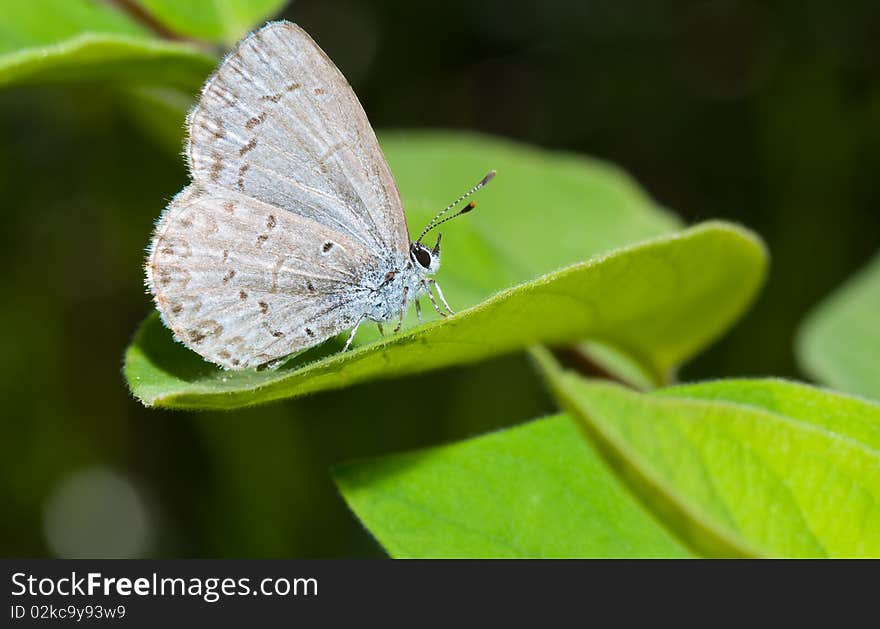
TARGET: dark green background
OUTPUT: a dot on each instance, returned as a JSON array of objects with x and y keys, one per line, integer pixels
[{"x": 766, "y": 115}]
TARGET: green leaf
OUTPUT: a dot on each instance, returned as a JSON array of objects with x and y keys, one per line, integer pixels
[
  {"x": 544, "y": 211},
  {"x": 839, "y": 344},
  {"x": 741, "y": 468},
  {"x": 214, "y": 20},
  {"x": 79, "y": 40},
  {"x": 536, "y": 490},
  {"x": 840, "y": 414},
  {"x": 659, "y": 302}
]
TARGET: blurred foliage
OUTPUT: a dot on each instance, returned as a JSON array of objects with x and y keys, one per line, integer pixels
[
  {"x": 766, "y": 115},
  {"x": 839, "y": 344},
  {"x": 213, "y": 20},
  {"x": 62, "y": 41}
]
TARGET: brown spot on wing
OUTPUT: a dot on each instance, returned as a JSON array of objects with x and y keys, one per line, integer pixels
[
  {"x": 176, "y": 247},
  {"x": 229, "y": 206},
  {"x": 176, "y": 305},
  {"x": 271, "y": 222},
  {"x": 250, "y": 146},
  {"x": 276, "y": 333},
  {"x": 196, "y": 336},
  {"x": 256, "y": 120},
  {"x": 319, "y": 91},
  {"x": 241, "y": 172},
  {"x": 242, "y": 295},
  {"x": 203, "y": 329},
  {"x": 261, "y": 239},
  {"x": 264, "y": 307},
  {"x": 216, "y": 167},
  {"x": 229, "y": 275},
  {"x": 219, "y": 131},
  {"x": 171, "y": 274}
]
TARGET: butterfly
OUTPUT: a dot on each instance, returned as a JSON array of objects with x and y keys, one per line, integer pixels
[{"x": 293, "y": 229}]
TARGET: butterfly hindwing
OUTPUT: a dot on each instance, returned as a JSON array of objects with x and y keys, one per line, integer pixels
[{"x": 242, "y": 282}]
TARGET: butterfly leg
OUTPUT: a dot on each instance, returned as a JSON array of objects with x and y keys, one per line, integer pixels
[
  {"x": 440, "y": 295},
  {"x": 272, "y": 365},
  {"x": 430, "y": 282},
  {"x": 418, "y": 310},
  {"x": 381, "y": 329},
  {"x": 353, "y": 332},
  {"x": 427, "y": 290},
  {"x": 402, "y": 309}
]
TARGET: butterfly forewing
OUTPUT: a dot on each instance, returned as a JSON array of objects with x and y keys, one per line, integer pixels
[
  {"x": 278, "y": 122},
  {"x": 243, "y": 282}
]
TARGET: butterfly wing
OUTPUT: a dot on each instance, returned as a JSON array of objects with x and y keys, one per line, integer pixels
[
  {"x": 278, "y": 122},
  {"x": 243, "y": 282}
]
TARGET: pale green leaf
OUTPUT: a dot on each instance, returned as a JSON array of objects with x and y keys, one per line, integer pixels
[
  {"x": 839, "y": 344},
  {"x": 537, "y": 490},
  {"x": 840, "y": 414}
]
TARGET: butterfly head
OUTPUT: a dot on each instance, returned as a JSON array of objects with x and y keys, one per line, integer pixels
[{"x": 425, "y": 260}]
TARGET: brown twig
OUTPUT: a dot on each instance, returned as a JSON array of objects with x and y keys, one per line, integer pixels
[
  {"x": 143, "y": 17},
  {"x": 139, "y": 14},
  {"x": 577, "y": 360}
]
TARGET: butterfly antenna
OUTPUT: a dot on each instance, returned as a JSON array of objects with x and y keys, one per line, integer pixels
[{"x": 434, "y": 222}]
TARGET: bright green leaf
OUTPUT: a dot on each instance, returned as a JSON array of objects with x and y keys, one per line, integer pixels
[
  {"x": 659, "y": 303},
  {"x": 537, "y": 490},
  {"x": 81, "y": 40},
  {"x": 742, "y": 468},
  {"x": 47, "y": 22},
  {"x": 840, "y": 414},
  {"x": 214, "y": 20},
  {"x": 634, "y": 299},
  {"x": 839, "y": 344},
  {"x": 544, "y": 211}
]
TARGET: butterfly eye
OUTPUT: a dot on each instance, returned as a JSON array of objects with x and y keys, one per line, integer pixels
[{"x": 422, "y": 256}]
